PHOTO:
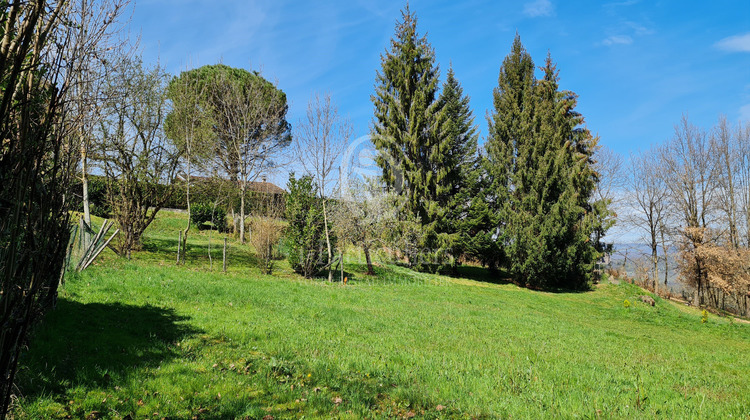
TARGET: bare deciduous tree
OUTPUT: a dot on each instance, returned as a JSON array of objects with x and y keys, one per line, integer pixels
[
  {"x": 267, "y": 228},
  {"x": 320, "y": 142},
  {"x": 725, "y": 150},
  {"x": 742, "y": 134},
  {"x": 94, "y": 34},
  {"x": 609, "y": 190},
  {"x": 689, "y": 173},
  {"x": 648, "y": 199}
]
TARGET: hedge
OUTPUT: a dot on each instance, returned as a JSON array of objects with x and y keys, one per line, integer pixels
[{"x": 222, "y": 192}]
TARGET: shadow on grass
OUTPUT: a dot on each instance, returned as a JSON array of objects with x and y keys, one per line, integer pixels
[
  {"x": 97, "y": 344},
  {"x": 480, "y": 274},
  {"x": 501, "y": 276}
]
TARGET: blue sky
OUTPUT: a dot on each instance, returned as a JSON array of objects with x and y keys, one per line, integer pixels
[{"x": 637, "y": 66}]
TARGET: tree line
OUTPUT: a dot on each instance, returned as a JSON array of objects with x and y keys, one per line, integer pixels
[
  {"x": 690, "y": 197},
  {"x": 524, "y": 202}
]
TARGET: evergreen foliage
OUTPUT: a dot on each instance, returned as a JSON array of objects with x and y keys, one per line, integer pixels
[
  {"x": 305, "y": 235},
  {"x": 477, "y": 222},
  {"x": 458, "y": 177},
  {"x": 540, "y": 162},
  {"x": 210, "y": 85},
  {"x": 404, "y": 128},
  {"x": 426, "y": 145},
  {"x": 202, "y": 213}
]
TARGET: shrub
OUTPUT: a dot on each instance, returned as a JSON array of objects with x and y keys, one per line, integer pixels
[
  {"x": 202, "y": 213},
  {"x": 265, "y": 233},
  {"x": 305, "y": 237}
]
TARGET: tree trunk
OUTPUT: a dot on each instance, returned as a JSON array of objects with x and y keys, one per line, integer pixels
[
  {"x": 370, "y": 270},
  {"x": 210, "y": 259},
  {"x": 187, "y": 197},
  {"x": 666, "y": 257},
  {"x": 85, "y": 185},
  {"x": 242, "y": 210},
  {"x": 328, "y": 242},
  {"x": 655, "y": 261}
]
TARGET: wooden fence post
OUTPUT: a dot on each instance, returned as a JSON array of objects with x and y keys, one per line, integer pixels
[{"x": 225, "y": 254}]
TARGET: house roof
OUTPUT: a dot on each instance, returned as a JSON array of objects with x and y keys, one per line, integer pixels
[
  {"x": 254, "y": 186},
  {"x": 265, "y": 187}
]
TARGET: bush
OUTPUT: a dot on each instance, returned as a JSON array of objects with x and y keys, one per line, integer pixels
[
  {"x": 205, "y": 191},
  {"x": 265, "y": 233},
  {"x": 305, "y": 236},
  {"x": 202, "y": 213}
]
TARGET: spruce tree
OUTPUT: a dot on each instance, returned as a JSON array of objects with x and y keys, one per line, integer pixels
[
  {"x": 458, "y": 175},
  {"x": 542, "y": 169},
  {"x": 507, "y": 149},
  {"x": 404, "y": 122}
]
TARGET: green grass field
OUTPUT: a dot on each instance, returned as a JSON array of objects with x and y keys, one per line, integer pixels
[{"x": 146, "y": 339}]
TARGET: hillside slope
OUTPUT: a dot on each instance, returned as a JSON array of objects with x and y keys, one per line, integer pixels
[{"x": 148, "y": 339}]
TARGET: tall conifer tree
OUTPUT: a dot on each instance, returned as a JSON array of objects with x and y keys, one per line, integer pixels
[
  {"x": 541, "y": 163},
  {"x": 507, "y": 147},
  {"x": 404, "y": 129},
  {"x": 556, "y": 235},
  {"x": 456, "y": 151},
  {"x": 457, "y": 175}
]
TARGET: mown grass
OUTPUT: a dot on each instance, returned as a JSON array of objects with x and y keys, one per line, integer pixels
[{"x": 146, "y": 339}]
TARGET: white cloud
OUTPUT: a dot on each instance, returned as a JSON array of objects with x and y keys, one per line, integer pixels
[
  {"x": 539, "y": 8},
  {"x": 618, "y": 40},
  {"x": 745, "y": 113},
  {"x": 639, "y": 29},
  {"x": 735, "y": 43}
]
